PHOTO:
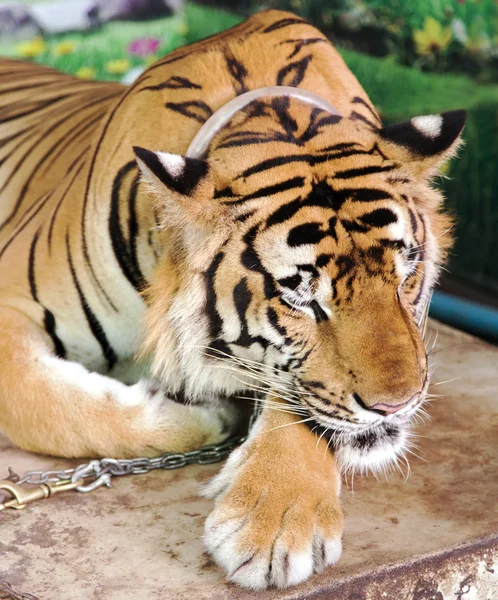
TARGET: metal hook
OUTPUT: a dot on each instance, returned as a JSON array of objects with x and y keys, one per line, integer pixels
[{"x": 23, "y": 495}]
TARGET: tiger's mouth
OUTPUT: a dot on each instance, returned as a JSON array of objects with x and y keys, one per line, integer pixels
[{"x": 370, "y": 448}]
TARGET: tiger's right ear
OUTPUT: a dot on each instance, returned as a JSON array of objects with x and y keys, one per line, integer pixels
[{"x": 182, "y": 186}]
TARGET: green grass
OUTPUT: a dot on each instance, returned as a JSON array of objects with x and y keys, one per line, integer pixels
[
  {"x": 400, "y": 91},
  {"x": 413, "y": 13},
  {"x": 396, "y": 90},
  {"x": 96, "y": 48}
]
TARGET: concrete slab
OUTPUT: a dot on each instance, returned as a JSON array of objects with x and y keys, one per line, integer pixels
[{"x": 432, "y": 537}]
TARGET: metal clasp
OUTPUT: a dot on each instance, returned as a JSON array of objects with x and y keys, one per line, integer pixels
[{"x": 23, "y": 495}]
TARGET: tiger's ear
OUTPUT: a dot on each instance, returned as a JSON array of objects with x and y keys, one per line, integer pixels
[
  {"x": 182, "y": 186},
  {"x": 423, "y": 143}
]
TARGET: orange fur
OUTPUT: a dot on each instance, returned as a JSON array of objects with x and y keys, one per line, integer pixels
[{"x": 288, "y": 254}]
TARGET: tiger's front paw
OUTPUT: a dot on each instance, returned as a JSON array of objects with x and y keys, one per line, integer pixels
[{"x": 272, "y": 526}]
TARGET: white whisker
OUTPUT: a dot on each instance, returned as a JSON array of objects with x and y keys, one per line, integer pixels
[{"x": 289, "y": 424}]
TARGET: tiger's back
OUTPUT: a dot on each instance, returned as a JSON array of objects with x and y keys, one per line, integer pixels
[
  {"x": 47, "y": 121},
  {"x": 70, "y": 181}
]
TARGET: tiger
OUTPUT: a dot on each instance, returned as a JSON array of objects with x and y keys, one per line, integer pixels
[{"x": 147, "y": 289}]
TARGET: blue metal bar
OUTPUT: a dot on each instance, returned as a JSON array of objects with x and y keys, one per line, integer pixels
[{"x": 465, "y": 314}]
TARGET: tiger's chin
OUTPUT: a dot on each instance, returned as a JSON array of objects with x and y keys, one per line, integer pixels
[{"x": 372, "y": 450}]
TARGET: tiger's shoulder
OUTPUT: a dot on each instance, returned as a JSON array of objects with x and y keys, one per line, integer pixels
[{"x": 271, "y": 48}]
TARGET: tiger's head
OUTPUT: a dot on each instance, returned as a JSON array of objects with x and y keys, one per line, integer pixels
[{"x": 301, "y": 255}]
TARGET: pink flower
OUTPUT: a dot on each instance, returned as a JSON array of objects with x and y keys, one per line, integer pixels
[{"x": 143, "y": 46}]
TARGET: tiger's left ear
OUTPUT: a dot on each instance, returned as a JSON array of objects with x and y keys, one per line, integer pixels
[
  {"x": 423, "y": 143},
  {"x": 182, "y": 186}
]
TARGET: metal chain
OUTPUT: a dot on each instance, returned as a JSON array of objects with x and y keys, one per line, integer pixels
[
  {"x": 7, "y": 593},
  {"x": 99, "y": 472}
]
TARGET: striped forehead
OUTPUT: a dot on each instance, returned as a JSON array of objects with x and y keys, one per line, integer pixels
[{"x": 326, "y": 221}]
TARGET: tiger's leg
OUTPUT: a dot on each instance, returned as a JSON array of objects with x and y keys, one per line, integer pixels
[
  {"x": 57, "y": 407},
  {"x": 277, "y": 516}
]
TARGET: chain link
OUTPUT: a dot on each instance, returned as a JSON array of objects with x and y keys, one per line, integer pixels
[
  {"x": 100, "y": 472},
  {"x": 8, "y": 593}
]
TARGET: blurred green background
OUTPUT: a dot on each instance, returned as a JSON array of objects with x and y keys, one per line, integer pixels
[{"x": 412, "y": 56}]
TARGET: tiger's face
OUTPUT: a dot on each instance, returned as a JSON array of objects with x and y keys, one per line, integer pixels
[{"x": 315, "y": 262}]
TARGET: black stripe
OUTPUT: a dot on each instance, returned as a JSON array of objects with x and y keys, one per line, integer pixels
[
  {"x": 238, "y": 72},
  {"x": 379, "y": 217},
  {"x": 11, "y": 151},
  {"x": 93, "y": 323},
  {"x": 341, "y": 146},
  {"x": 82, "y": 127},
  {"x": 284, "y": 23},
  {"x": 323, "y": 260},
  {"x": 272, "y": 316},
  {"x": 215, "y": 322},
  {"x": 362, "y": 171},
  {"x": 48, "y": 317},
  {"x": 133, "y": 230},
  {"x": 243, "y": 217},
  {"x": 15, "y": 135},
  {"x": 413, "y": 220},
  {"x": 242, "y": 297},
  {"x": 311, "y": 159},
  {"x": 299, "y": 44},
  {"x": 365, "y": 194},
  {"x": 35, "y": 170},
  {"x": 307, "y": 233},
  {"x": 59, "y": 204},
  {"x": 108, "y": 121},
  {"x": 284, "y": 213},
  {"x": 353, "y": 226},
  {"x": 250, "y": 260},
  {"x": 318, "y": 385},
  {"x": 315, "y": 124},
  {"x": 195, "y": 109},
  {"x": 125, "y": 255},
  {"x": 238, "y": 134},
  {"x": 31, "y": 266},
  {"x": 321, "y": 196},
  {"x": 328, "y": 414},
  {"x": 270, "y": 190},
  {"x": 41, "y": 203},
  {"x": 292, "y": 282},
  {"x": 394, "y": 244},
  {"x": 50, "y": 326},
  {"x": 197, "y": 46},
  {"x": 344, "y": 266},
  {"x": 281, "y": 105},
  {"x": 246, "y": 141},
  {"x": 320, "y": 314},
  {"x": 39, "y": 84},
  {"x": 356, "y": 116},
  {"x": 174, "y": 83},
  {"x": 422, "y": 259},
  {"x": 225, "y": 192},
  {"x": 358, "y": 100},
  {"x": 37, "y": 107},
  {"x": 293, "y": 74}
]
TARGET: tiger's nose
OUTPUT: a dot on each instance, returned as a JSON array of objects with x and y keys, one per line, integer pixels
[{"x": 385, "y": 409}]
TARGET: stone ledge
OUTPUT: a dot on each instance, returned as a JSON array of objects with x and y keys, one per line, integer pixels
[{"x": 433, "y": 537}]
